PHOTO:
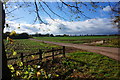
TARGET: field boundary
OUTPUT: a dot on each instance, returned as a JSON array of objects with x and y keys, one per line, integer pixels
[{"x": 40, "y": 53}]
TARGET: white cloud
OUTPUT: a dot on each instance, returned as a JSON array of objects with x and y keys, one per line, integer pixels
[
  {"x": 91, "y": 26},
  {"x": 15, "y": 6},
  {"x": 107, "y": 8}
]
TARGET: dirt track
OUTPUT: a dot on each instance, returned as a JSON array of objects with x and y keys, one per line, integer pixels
[{"x": 107, "y": 51}]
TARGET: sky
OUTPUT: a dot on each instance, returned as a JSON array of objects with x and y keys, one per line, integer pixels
[{"x": 97, "y": 22}]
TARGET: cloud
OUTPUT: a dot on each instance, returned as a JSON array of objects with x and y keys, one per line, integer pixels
[
  {"x": 90, "y": 26},
  {"x": 107, "y": 8},
  {"x": 15, "y": 6}
]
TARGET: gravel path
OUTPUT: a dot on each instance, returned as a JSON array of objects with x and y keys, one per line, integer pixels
[{"x": 107, "y": 51}]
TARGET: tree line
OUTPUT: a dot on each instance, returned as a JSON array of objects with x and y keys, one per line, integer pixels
[
  {"x": 17, "y": 36},
  {"x": 68, "y": 35},
  {"x": 26, "y": 35}
]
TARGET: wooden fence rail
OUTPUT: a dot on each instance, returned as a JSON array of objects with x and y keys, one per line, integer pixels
[{"x": 40, "y": 53}]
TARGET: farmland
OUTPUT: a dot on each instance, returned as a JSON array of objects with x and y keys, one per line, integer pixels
[
  {"x": 110, "y": 41},
  {"x": 78, "y": 64},
  {"x": 25, "y": 46},
  {"x": 22, "y": 45}
]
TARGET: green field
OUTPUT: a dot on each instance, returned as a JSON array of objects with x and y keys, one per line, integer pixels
[
  {"x": 111, "y": 41},
  {"x": 85, "y": 65},
  {"x": 24, "y": 45},
  {"x": 77, "y": 65},
  {"x": 75, "y": 38}
]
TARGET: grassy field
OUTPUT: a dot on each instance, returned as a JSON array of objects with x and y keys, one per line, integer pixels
[
  {"x": 77, "y": 65},
  {"x": 24, "y": 45},
  {"x": 111, "y": 41},
  {"x": 84, "y": 66},
  {"x": 75, "y": 38}
]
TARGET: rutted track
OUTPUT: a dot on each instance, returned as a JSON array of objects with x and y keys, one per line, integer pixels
[{"x": 107, "y": 51}]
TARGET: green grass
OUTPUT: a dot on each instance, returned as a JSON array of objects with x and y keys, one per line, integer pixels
[
  {"x": 73, "y": 38},
  {"x": 112, "y": 41},
  {"x": 23, "y": 44},
  {"x": 75, "y": 66},
  {"x": 93, "y": 64},
  {"x": 84, "y": 65},
  {"x": 115, "y": 42},
  {"x": 26, "y": 46}
]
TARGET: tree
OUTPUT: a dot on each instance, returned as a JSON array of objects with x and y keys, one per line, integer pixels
[
  {"x": 51, "y": 35},
  {"x": 6, "y": 73},
  {"x": 24, "y": 36},
  {"x": 5, "y": 35}
]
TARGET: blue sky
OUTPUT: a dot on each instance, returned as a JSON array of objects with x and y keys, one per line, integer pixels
[{"x": 98, "y": 23}]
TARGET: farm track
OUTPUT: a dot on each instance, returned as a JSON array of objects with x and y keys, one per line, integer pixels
[{"x": 107, "y": 51}]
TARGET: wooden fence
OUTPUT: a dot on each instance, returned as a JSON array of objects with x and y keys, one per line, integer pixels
[{"x": 40, "y": 53}]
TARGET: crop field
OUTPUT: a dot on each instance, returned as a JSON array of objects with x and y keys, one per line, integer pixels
[
  {"x": 26, "y": 47},
  {"x": 78, "y": 64},
  {"x": 110, "y": 41}
]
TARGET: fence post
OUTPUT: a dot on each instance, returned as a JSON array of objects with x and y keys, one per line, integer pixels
[
  {"x": 53, "y": 53},
  {"x": 22, "y": 59},
  {"x": 40, "y": 54},
  {"x": 63, "y": 51},
  {"x": 104, "y": 41}
]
